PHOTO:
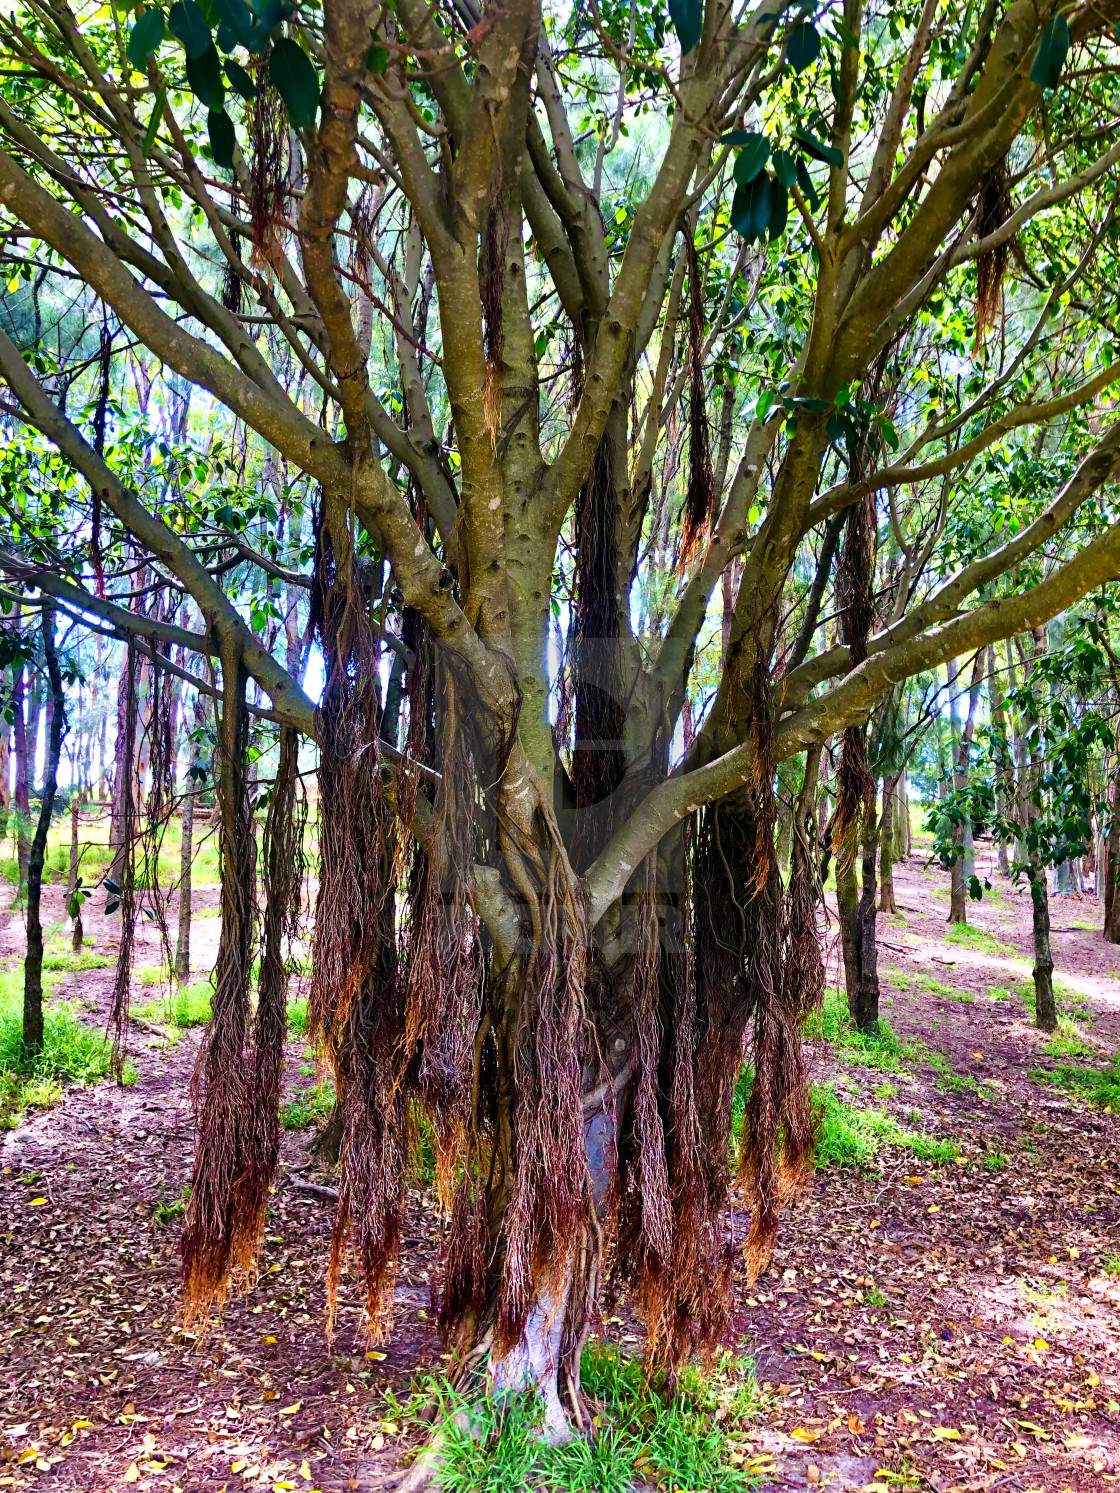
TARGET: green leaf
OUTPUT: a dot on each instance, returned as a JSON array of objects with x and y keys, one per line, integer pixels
[
  {"x": 779, "y": 208},
  {"x": 812, "y": 147},
  {"x": 111, "y": 907},
  {"x": 750, "y": 208},
  {"x": 189, "y": 24},
  {"x": 204, "y": 74},
  {"x": 236, "y": 16},
  {"x": 737, "y": 137},
  {"x": 785, "y": 168},
  {"x": 751, "y": 159},
  {"x": 377, "y": 59},
  {"x": 687, "y": 17},
  {"x": 240, "y": 81},
  {"x": 1053, "y": 45},
  {"x": 222, "y": 138},
  {"x": 153, "y": 123},
  {"x": 803, "y": 47},
  {"x": 144, "y": 38},
  {"x": 805, "y": 182},
  {"x": 296, "y": 81}
]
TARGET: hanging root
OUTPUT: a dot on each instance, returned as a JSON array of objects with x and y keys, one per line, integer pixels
[
  {"x": 283, "y": 865},
  {"x": 700, "y": 497},
  {"x": 492, "y": 269},
  {"x": 124, "y": 862},
  {"x": 855, "y": 574},
  {"x": 993, "y": 208},
  {"x": 221, "y": 1086},
  {"x": 266, "y": 177}
]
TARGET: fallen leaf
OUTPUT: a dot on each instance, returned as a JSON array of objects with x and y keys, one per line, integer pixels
[
  {"x": 802, "y": 1433},
  {"x": 290, "y": 1409},
  {"x": 36, "y": 1202},
  {"x": 946, "y": 1433},
  {"x": 132, "y": 1474}
]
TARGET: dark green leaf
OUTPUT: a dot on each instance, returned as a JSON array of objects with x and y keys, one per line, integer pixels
[
  {"x": 377, "y": 58},
  {"x": 737, "y": 137},
  {"x": 237, "y": 18},
  {"x": 805, "y": 182},
  {"x": 750, "y": 208},
  {"x": 1053, "y": 45},
  {"x": 222, "y": 138},
  {"x": 296, "y": 81},
  {"x": 785, "y": 168},
  {"x": 240, "y": 81},
  {"x": 111, "y": 907},
  {"x": 812, "y": 147},
  {"x": 837, "y": 427},
  {"x": 751, "y": 159},
  {"x": 144, "y": 38},
  {"x": 779, "y": 208},
  {"x": 204, "y": 74},
  {"x": 189, "y": 24},
  {"x": 111, "y": 885},
  {"x": 803, "y": 47},
  {"x": 687, "y": 17}
]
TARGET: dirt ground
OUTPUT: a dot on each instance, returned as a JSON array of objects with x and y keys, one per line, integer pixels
[{"x": 951, "y": 1327}]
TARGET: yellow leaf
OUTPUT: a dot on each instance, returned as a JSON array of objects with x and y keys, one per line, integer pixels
[
  {"x": 802, "y": 1433},
  {"x": 390, "y": 1427},
  {"x": 1042, "y": 1345},
  {"x": 268, "y": 1340},
  {"x": 1093, "y": 1379},
  {"x": 946, "y": 1433},
  {"x": 290, "y": 1409},
  {"x": 132, "y": 1475},
  {"x": 36, "y": 1202},
  {"x": 934, "y": 1208},
  {"x": 282, "y": 1487},
  {"x": 305, "y": 1470},
  {"x": 1029, "y": 1425},
  {"x": 917, "y": 1181},
  {"x": 376, "y": 1356}
]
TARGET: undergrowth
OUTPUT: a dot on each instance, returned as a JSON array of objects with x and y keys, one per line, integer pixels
[
  {"x": 970, "y": 937},
  {"x": 71, "y": 1052},
  {"x": 309, "y": 1107},
  {"x": 1099, "y": 1086},
  {"x": 681, "y": 1441},
  {"x": 831, "y": 1023}
]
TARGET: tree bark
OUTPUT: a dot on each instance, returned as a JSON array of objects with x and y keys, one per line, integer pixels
[{"x": 33, "y": 964}]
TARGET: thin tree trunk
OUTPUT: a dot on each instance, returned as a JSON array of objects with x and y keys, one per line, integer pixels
[
  {"x": 1112, "y": 862},
  {"x": 75, "y": 810},
  {"x": 858, "y": 932},
  {"x": 22, "y": 786},
  {"x": 962, "y": 833},
  {"x": 33, "y": 964},
  {"x": 1045, "y": 1009},
  {"x": 887, "y": 845}
]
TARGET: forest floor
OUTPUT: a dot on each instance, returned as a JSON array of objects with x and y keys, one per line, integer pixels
[{"x": 945, "y": 1315}]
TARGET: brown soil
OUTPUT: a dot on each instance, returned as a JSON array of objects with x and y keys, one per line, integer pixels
[{"x": 949, "y": 1327}]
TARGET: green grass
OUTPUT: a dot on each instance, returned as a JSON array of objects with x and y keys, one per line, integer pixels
[
  {"x": 995, "y": 1161},
  {"x": 1067, "y": 1041},
  {"x": 72, "y": 1052},
  {"x": 184, "y": 1006},
  {"x": 850, "y": 1135},
  {"x": 678, "y": 1441},
  {"x": 73, "y": 963},
  {"x": 878, "y": 1049},
  {"x": 1111, "y": 1265},
  {"x": 948, "y": 1078},
  {"x": 969, "y": 937},
  {"x": 1099, "y": 1086},
  {"x": 297, "y": 1017},
  {"x": 309, "y": 1107}
]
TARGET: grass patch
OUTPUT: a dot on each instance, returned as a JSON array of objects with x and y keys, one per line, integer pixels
[
  {"x": 72, "y": 1052},
  {"x": 185, "y": 1005},
  {"x": 851, "y": 1136},
  {"x": 979, "y": 939},
  {"x": 1111, "y": 1265},
  {"x": 948, "y": 1079},
  {"x": 685, "y": 1440},
  {"x": 1098, "y": 1086},
  {"x": 297, "y": 1017},
  {"x": 995, "y": 1161},
  {"x": 1085, "y": 927},
  {"x": 1067, "y": 1042},
  {"x": 309, "y": 1107},
  {"x": 877, "y": 1049},
  {"x": 71, "y": 963}
]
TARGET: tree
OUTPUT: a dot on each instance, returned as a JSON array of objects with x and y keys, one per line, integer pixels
[
  {"x": 473, "y": 279},
  {"x": 33, "y": 964}
]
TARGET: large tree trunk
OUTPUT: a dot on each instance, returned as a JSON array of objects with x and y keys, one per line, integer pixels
[{"x": 33, "y": 965}]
